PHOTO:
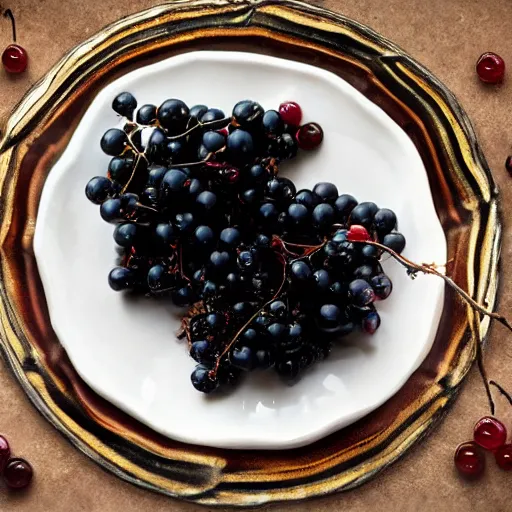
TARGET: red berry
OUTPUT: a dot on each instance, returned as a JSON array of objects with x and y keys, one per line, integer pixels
[
  {"x": 291, "y": 113},
  {"x": 5, "y": 452},
  {"x": 276, "y": 244},
  {"x": 357, "y": 233},
  {"x": 490, "y": 68},
  {"x": 508, "y": 164},
  {"x": 469, "y": 460},
  {"x": 15, "y": 59},
  {"x": 490, "y": 433},
  {"x": 233, "y": 175},
  {"x": 18, "y": 473},
  {"x": 309, "y": 136},
  {"x": 503, "y": 457}
]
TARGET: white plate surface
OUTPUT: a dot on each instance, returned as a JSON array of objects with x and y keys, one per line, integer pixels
[{"x": 126, "y": 350}]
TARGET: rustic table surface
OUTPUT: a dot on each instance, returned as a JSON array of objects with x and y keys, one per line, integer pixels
[{"x": 445, "y": 35}]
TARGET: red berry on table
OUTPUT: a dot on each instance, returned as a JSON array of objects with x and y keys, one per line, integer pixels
[
  {"x": 490, "y": 68},
  {"x": 503, "y": 457},
  {"x": 291, "y": 113},
  {"x": 358, "y": 233},
  {"x": 14, "y": 59},
  {"x": 309, "y": 136},
  {"x": 469, "y": 460},
  {"x": 5, "y": 452},
  {"x": 490, "y": 433},
  {"x": 18, "y": 473},
  {"x": 508, "y": 164}
]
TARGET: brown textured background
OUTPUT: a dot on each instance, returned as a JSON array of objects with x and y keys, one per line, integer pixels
[{"x": 445, "y": 35}]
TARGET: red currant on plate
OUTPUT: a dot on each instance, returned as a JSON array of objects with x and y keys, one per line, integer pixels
[
  {"x": 503, "y": 457},
  {"x": 469, "y": 460},
  {"x": 5, "y": 452},
  {"x": 490, "y": 68},
  {"x": 309, "y": 136},
  {"x": 18, "y": 473},
  {"x": 490, "y": 433},
  {"x": 357, "y": 233},
  {"x": 291, "y": 113}
]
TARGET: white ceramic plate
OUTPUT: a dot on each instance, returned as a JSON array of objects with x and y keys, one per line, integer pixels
[{"x": 126, "y": 349}]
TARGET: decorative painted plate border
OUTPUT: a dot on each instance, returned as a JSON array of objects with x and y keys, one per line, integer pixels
[{"x": 464, "y": 194}]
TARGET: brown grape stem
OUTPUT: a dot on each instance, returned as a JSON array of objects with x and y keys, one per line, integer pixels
[
  {"x": 282, "y": 246},
  {"x": 137, "y": 162},
  {"x": 190, "y": 164},
  {"x": 308, "y": 249},
  {"x": 220, "y": 123},
  {"x": 414, "y": 268},
  {"x": 180, "y": 263}
]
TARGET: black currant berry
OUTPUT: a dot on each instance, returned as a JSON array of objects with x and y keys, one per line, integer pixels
[{"x": 125, "y": 104}]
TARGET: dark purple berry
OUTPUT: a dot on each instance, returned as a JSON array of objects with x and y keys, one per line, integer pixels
[
  {"x": 212, "y": 114},
  {"x": 272, "y": 123},
  {"x": 327, "y": 192},
  {"x": 247, "y": 114},
  {"x": 343, "y": 206},
  {"x": 240, "y": 147},
  {"x": 361, "y": 292},
  {"x": 121, "y": 278},
  {"x": 99, "y": 189},
  {"x": 300, "y": 271},
  {"x": 146, "y": 114},
  {"x": 114, "y": 142},
  {"x": 363, "y": 214},
  {"x": 125, "y": 104},
  {"x": 323, "y": 216},
  {"x": 173, "y": 114},
  {"x": 243, "y": 358},
  {"x": 203, "y": 380},
  {"x": 382, "y": 286},
  {"x": 384, "y": 221},
  {"x": 395, "y": 241}
]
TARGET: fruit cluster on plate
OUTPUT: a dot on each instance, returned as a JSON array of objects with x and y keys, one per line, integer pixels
[{"x": 271, "y": 276}]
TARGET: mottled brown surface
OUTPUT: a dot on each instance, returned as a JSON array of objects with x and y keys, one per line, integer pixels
[{"x": 447, "y": 36}]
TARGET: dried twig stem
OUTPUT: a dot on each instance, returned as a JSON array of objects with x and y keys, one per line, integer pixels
[{"x": 414, "y": 268}]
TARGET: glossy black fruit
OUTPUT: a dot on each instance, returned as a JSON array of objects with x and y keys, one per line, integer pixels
[
  {"x": 113, "y": 142},
  {"x": 247, "y": 114},
  {"x": 125, "y": 104},
  {"x": 99, "y": 189},
  {"x": 121, "y": 278},
  {"x": 173, "y": 114},
  {"x": 146, "y": 114},
  {"x": 240, "y": 147}
]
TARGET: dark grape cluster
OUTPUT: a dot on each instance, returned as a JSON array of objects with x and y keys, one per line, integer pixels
[{"x": 272, "y": 276}]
